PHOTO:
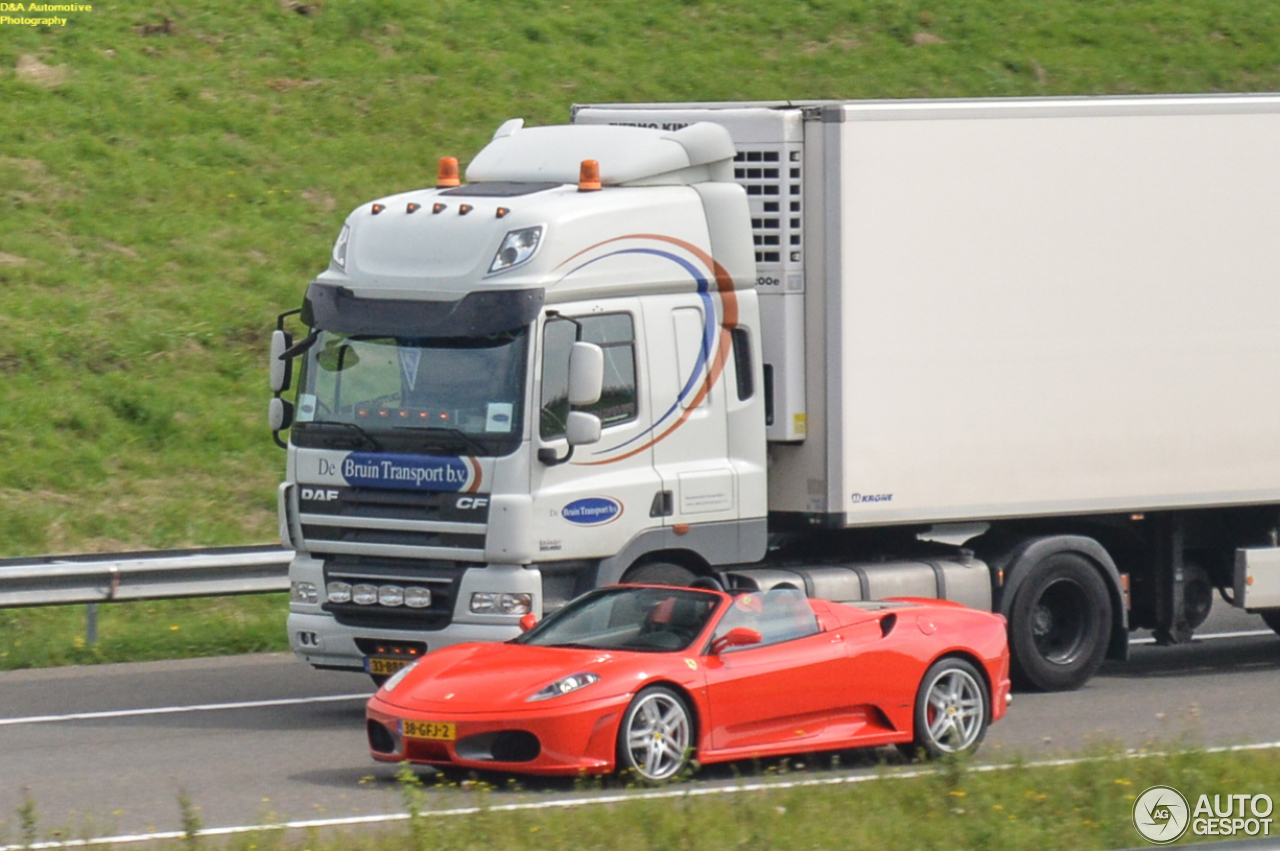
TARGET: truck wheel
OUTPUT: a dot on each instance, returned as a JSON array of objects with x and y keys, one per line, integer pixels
[
  {"x": 659, "y": 573},
  {"x": 1272, "y": 617},
  {"x": 1059, "y": 624},
  {"x": 1197, "y": 594}
]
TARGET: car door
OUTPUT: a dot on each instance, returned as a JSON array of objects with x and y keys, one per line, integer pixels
[{"x": 784, "y": 689}]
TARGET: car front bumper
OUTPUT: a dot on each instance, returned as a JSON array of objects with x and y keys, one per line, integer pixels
[{"x": 579, "y": 738}]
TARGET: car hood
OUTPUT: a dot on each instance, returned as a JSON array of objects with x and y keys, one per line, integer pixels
[{"x": 489, "y": 677}]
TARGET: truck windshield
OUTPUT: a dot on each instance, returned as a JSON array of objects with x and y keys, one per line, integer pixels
[{"x": 456, "y": 395}]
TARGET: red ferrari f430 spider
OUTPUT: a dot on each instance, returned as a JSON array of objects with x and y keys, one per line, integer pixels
[{"x": 646, "y": 678}]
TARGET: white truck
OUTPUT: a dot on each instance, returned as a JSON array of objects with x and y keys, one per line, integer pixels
[{"x": 1011, "y": 352}]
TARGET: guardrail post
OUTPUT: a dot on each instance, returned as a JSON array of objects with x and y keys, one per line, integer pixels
[{"x": 91, "y": 624}]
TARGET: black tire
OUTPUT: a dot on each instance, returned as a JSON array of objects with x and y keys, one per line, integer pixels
[
  {"x": 660, "y": 573},
  {"x": 656, "y": 736},
  {"x": 953, "y": 709},
  {"x": 1272, "y": 617},
  {"x": 1059, "y": 624},
  {"x": 1197, "y": 594}
]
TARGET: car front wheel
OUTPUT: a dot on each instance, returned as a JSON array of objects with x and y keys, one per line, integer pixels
[
  {"x": 952, "y": 709},
  {"x": 656, "y": 736}
]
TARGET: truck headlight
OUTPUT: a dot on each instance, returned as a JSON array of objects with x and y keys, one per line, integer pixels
[
  {"x": 303, "y": 592},
  {"x": 339, "y": 592},
  {"x": 340, "y": 247},
  {"x": 493, "y": 603},
  {"x": 417, "y": 598},
  {"x": 517, "y": 247}
]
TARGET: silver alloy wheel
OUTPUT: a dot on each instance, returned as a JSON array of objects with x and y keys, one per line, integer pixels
[
  {"x": 956, "y": 710},
  {"x": 655, "y": 734}
]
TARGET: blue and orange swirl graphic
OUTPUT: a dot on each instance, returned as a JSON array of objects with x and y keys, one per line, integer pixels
[{"x": 714, "y": 347}]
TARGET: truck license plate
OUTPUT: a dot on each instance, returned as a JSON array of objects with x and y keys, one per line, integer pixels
[
  {"x": 381, "y": 667},
  {"x": 437, "y": 730}
]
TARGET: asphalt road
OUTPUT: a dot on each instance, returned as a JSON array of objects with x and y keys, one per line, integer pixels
[{"x": 295, "y": 748}]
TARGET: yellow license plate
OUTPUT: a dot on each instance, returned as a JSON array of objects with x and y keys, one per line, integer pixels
[
  {"x": 387, "y": 667},
  {"x": 437, "y": 730}
]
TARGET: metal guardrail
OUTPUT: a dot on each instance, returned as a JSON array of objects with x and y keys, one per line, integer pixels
[{"x": 109, "y": 577}]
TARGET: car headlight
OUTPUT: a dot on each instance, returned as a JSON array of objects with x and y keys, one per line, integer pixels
[
  {"x": 564, "y": 685},
  {"x": 399, "y": 675},
  {"x": 518, "y": 246},
  {"x": 493, "y": 603}
]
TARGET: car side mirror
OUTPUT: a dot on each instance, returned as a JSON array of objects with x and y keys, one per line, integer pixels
[
  {"x": 281, "y": 368},
  {"x": 582, "y": 428},
  {"x": 528, "y": 622},
  {"x": 736, "y": 637},
  {"x": 586, "y": 373}
]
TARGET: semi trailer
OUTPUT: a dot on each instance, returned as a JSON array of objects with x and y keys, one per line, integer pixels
[{"x": 1014, "y": 353}]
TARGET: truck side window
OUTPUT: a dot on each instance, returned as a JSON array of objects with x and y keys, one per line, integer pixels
[{"x": 613, "y": 332}]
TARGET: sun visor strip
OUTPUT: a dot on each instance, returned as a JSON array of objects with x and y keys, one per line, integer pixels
[{"x": 338, "y": 309}]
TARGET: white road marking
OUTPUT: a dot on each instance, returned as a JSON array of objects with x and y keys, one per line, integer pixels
[
  {"x": 174, "y": 710},
  {"x": 570, "y": 803},
  {"x": 1248, "y": 633}
]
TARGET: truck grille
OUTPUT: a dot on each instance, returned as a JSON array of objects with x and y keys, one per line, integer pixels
[
  {"x": 393, "y": 524},
  {"x": 771, "y": 176}
]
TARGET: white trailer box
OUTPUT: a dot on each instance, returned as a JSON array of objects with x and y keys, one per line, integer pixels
[{"x": 1017, "y": 307}]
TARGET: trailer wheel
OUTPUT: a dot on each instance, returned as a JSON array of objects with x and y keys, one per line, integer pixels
[
  {"x": 659, "y": 573},
  {"x": 1272, "y": 617},
  {"x": 1059, "y": 624}
]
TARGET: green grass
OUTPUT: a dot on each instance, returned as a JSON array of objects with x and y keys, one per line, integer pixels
[
  {"x": 165, "y": 193},
  {"x": 143, "y": 631},
  {"x": 1087, "y": 805}
]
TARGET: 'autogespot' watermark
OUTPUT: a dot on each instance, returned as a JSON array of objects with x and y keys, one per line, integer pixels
[{"x": 1162, "y": 815}]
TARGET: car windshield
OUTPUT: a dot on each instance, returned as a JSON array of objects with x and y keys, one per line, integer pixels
[
  {"x": 634, "y": 618},
  {"x": 461, "y": 395}
]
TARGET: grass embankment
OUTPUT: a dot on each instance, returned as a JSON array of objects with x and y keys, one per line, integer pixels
[
  {"x": 172, "y": 175},
  {"x": 1086, "y": 805}
]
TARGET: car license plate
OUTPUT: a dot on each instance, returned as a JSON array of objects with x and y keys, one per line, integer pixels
[
  {"x": 437, "y": 730},
  {"x": 383, "y": 667}
]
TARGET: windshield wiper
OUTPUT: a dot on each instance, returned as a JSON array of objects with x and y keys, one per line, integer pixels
[{"x": 352, "y": 430}]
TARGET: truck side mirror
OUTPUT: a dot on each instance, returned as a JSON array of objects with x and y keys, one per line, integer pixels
[
  {"x": 281, "y": 369},
  {"x": 586, "y": 374},
  {"x": 582, "y": 428},
  {"x": 279, "y": 414}
]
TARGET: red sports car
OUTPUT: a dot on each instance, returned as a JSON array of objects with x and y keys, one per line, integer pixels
[{"x": 646, "y": 678}]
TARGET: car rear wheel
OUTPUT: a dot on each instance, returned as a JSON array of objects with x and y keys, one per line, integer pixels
[
  {"x": 952, "y": 709},
  {"x": 656, "y": 735}
]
